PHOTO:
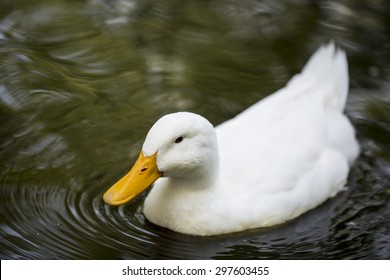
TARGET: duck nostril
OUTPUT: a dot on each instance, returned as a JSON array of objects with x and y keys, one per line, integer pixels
[{"x": 144, "y": 169}]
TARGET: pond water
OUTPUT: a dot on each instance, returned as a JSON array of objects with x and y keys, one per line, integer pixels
[{"x": 81, "y": 82}]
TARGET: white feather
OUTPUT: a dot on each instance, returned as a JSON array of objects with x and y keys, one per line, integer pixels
[{"x": 279, "y": 158}]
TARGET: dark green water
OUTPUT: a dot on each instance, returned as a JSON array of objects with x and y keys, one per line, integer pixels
[{"x": 81, "y": 82}]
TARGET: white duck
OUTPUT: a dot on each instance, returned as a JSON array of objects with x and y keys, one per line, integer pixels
[{"x": 279, "y": 158}]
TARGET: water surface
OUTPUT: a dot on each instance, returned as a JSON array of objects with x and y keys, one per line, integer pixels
[{"x": 81, "y": 82}]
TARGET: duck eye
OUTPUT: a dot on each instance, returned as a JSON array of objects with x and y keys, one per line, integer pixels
[{"x": 179, "y": 139}]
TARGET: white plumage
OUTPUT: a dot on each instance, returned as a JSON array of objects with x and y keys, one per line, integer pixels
[{"x": 284, "y": 155}]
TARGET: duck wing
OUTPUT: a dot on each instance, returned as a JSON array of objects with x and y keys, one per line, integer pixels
[{"x": 295, "y": 146}]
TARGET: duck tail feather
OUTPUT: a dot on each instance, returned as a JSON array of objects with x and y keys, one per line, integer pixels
[{"x": 326, "y": 72}]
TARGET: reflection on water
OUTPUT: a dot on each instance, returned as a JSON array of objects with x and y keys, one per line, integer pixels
[{"x": 81, "y": 82}]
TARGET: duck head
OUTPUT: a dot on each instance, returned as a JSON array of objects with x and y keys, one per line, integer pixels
[{"x": 180, "y": 146}]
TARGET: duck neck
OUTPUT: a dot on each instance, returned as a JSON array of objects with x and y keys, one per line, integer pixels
[{"x": 201, "y": 177}]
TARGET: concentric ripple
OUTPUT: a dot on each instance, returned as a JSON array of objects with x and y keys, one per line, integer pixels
[
  {"x": 82, "y": 81},
  {"x": 74, "y": 222}
]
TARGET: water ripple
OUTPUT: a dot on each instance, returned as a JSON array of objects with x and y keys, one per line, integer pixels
[{"x": 74, "y": 80}]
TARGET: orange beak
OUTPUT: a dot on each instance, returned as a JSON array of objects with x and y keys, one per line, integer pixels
[{"x": 142, "y": 175}]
